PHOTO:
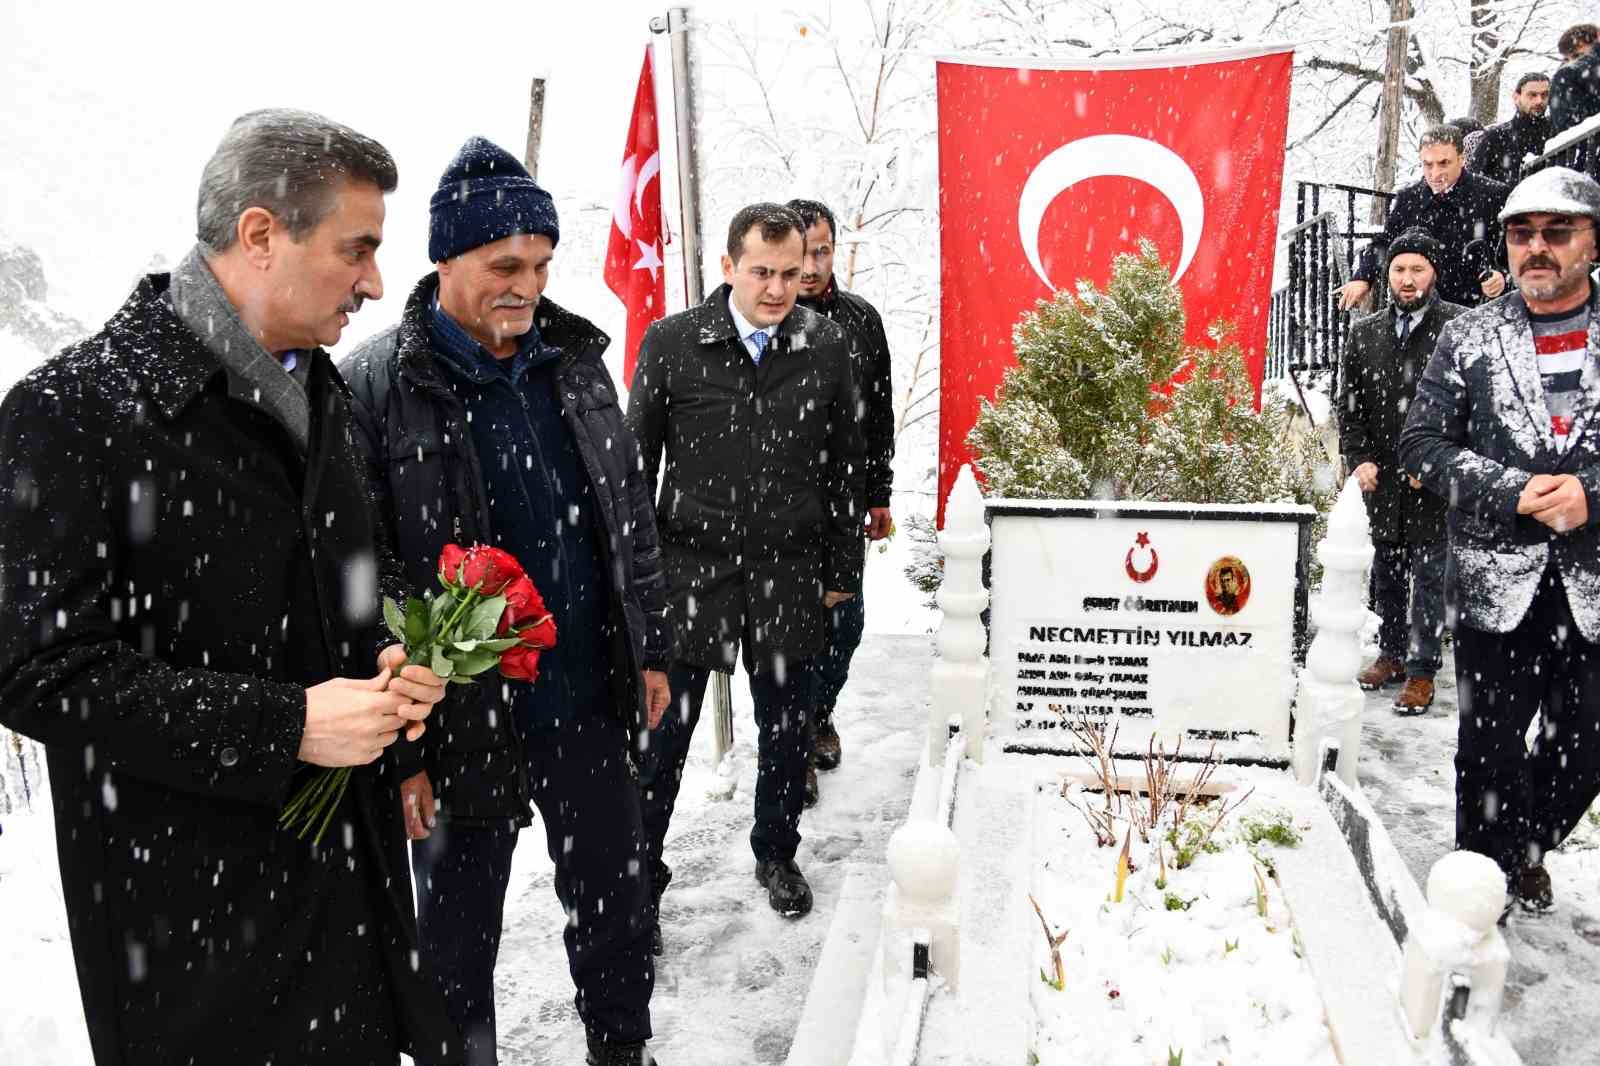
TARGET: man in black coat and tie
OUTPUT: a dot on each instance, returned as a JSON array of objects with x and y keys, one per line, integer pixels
[
  {"x": 1458, "y": 209},
  {"x": 190, "y": 567},
  {"x": 753, "y": 402},
  {"x": 1383, "y": 363}
]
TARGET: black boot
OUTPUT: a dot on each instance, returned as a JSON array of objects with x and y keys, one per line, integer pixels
[
  {"x": 1531, "y": 888},
  {"x": 786, "y": 886},
  {"x": 605, "y": 1053}
]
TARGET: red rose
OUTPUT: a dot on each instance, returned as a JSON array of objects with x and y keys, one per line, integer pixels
[
  {"x": 450, "y": 564},
  {"x": 523, "y": 605},
  {"x": 541, "y": 634},
  {"x": 489, "y": 570},
  {"x": 520, "y": 663}
]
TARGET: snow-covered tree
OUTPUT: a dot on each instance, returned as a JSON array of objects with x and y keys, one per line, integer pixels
[{"x": 1082, "y": 413}]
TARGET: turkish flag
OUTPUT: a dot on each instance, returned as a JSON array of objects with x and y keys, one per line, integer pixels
[
  {"x": 633, "y": 257},
  {"x": 1046, "y": 174}
]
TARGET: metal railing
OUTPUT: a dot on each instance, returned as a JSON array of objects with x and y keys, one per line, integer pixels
[{"x": 1305, "y": 328}]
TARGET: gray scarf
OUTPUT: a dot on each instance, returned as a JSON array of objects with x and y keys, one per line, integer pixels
[{"x": 254, "y": 374}]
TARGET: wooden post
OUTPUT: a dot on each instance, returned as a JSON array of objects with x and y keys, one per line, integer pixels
[
  {"x": 530, "y": 158},
  {"x": 1394, "y": 73}
]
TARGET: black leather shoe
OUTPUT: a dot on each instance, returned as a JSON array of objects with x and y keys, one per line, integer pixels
[
  {"x": 827, "y": 750},
  {"x": 786, "y": 886},
  {"x": 1531, "y": 888},
  {"x": 812, "y": 794},
  {"x": 603, "y": 1053}
]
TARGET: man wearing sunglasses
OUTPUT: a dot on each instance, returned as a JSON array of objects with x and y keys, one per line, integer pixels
[{"x": 1506, "y": 427}]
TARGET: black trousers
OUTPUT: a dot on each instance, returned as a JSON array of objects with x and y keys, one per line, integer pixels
[
  {"x": 1513, "y": 802},
  {"x": 844, "y": 624},
  {"x": 782, "y": 695},
  {"x": 1408, "y": 593},
  {"x": 589, "y": 802}
]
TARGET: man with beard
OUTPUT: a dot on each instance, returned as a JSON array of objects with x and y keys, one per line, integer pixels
[
  {"x": 1498, "y": 154},
  {"x": 489, "y": 417},
  {"x": 1506, "y": 427},
  {"x": 869, "y": 351},
  {"x": 1457, "y": 208},
  {"x": 1383, "y": 363},
  {"x": 189, "y": 565}
]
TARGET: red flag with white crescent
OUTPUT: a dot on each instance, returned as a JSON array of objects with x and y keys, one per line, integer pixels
[
  {"x": 633, "y": 257},
  {"x": 1045, "y": 175}
]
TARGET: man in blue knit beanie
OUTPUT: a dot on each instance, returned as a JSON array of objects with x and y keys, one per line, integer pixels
[{"x": 488, "y": 417}]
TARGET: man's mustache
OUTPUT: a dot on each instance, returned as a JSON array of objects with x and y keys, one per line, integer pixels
[
  {"x": 352, "y": 305},
  {"x": 511, "y": 301},
  {"x": 1534, "y": 262}
]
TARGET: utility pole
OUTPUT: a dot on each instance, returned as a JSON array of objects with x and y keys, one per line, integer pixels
[
  {"x": 676, "y": 26},
  {"x": 1394, "y": 73},
  {"x": 530, "y": 157}
]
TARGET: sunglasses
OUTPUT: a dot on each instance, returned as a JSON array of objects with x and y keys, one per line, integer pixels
[{"x": 1555, "y": 236}]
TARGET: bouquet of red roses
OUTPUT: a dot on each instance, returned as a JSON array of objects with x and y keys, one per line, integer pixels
[{"x": 489, "y": 615}]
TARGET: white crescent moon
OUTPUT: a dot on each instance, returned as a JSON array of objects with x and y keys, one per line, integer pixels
[
  {"x": 620, "y": 211},
  {"x": 651, "y": 168},
  {"x": 1112, "y": 155}
]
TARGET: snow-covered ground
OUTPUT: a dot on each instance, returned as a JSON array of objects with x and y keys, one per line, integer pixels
[
  {"x": 1407, "y": 771},
  {"x": 734, "y": 980}
]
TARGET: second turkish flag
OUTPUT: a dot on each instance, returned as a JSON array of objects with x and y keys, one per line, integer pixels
[
  {"x": 633, "y": 257},
  {"x": 1045, "y": 175}
]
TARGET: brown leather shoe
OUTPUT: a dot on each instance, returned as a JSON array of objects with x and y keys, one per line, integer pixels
[
  {"x": 826, "y": 749},
  {"x": 1385, "y": 671},
  {"x": 1416, "y": 696}
]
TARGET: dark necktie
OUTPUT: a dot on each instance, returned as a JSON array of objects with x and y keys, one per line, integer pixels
[{"x": 1405, "y": 328}]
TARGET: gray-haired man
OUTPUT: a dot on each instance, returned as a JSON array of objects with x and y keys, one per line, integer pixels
[{"x": 189, "y": 564}]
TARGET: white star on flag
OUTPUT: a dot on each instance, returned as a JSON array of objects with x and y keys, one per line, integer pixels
[{"x": 649, "y": 258}]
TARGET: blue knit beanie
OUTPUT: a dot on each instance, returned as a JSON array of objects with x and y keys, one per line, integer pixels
[{"x": 486, "y": 194}]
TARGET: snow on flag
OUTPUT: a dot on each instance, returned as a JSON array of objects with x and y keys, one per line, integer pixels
[
  {"x": 633, "y": 257},
  {"x": 1047, "y": 173}
]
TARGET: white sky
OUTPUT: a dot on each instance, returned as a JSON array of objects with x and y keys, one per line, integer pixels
[{"x": 108, "y": 112}]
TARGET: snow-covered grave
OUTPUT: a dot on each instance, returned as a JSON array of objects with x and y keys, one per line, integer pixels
[{"x": 1074, "y": 897}]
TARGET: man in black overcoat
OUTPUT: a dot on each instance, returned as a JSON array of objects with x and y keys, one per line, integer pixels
[
  {"x": 752, "y": 401},
  {"x": 1458, "y": 209},
  {"x": 190, "y": 568},
  {"x": 1383, "y": 363}
]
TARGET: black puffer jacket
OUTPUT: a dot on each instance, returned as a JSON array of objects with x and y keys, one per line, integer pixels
[
  {"x": 761, "y": 501},
  {"x": 431, "y": 487}
]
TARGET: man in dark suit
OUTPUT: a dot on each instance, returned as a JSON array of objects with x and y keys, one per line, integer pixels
[
  {"x": 190, "y": 569},
  {"x": 1457, "y": 208},
  {"x": 1506, "y": 427},
  {"x": 753, "y": 403},
  {"x": 1383, "y": 363}
]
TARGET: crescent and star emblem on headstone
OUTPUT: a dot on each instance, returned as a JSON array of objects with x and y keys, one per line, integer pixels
[
  {"x": 1141, "y": 576},
  {"x": 1112, "y": 155}
]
